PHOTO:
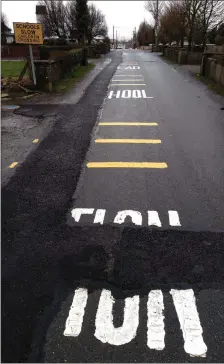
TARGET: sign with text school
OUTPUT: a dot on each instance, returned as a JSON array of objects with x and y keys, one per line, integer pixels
[{"x": 28, "y": 33}]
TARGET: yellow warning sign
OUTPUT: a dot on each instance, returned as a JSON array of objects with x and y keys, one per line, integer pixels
[{"x": 28, "y": 33}]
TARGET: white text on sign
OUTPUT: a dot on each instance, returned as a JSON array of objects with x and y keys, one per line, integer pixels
[
  {"x": 123, "y": 216},
  {"x": 184, "y": 303},
  {"x": 129, "y": 94}
]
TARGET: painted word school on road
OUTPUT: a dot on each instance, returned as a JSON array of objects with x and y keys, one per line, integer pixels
[
  {"x": 184, "y": 303},
  {"x": 122, "y": 216}
]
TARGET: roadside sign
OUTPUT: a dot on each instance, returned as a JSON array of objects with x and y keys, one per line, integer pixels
[{"x": 28, "y": 33}]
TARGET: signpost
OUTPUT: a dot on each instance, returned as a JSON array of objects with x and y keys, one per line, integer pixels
[{"x": 29, "y": 33}]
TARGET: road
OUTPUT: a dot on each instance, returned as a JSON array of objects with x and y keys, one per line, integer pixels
[{"x": 113, "y": 227}]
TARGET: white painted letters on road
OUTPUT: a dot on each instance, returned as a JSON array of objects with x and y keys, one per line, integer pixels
[
  {"x": 153, "y": 219},
  {"x": 184, "y": 302},
  {"x": 129, "y": 94},
  {"x": 136, "y": 217},
  {"x": 76, "y": 213},
  {"x": 105, "y": 330},
  {"x": 174, "y": 218},
  {"x": 99, "y": 217},
  {"x": 126, "y": 94},
  {"x": 74, "y": 321},
  {"x": 155, "y": 325}
]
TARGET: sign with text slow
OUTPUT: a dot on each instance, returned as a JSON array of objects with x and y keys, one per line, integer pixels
[{"x": 28, "y": 33}]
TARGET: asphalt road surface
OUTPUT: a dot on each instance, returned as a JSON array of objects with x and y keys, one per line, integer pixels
[{"x": 112, "y": 229}]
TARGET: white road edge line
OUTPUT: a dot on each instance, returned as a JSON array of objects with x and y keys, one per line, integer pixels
[{"x": 185, "y": 305}]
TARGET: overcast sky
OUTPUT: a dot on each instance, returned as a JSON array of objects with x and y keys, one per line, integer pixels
[{"x": 124, "y": 15}]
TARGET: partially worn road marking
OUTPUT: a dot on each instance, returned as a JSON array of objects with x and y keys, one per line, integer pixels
[
  {"x": 127, "y": 84},
  {"x": 184, "y": 303},
  {"x": 131, "y": 141},
  {"x": 35, "y": 141},
  {"x": 122, "y": 216},
  {"x": 13, "y": 165},
  {"x": 121, "y": 123},
  {"x": 127, "y": 165}
]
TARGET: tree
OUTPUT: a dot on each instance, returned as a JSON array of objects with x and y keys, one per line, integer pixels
[
  {"x": 191, "y": 9},
  {"x": 145, "y": 34},
  {"x": 82, "y": 19},
  {"x": 97, "y": 24},
  {"x": 70, "y": 18},
  {"x": 173, "y": 23},
  {"x": 151, "y": 6},
  {"x": 4, "y": 28},
  {"x": 53, "y": 20},
  {"x": 211, "y": 13}
]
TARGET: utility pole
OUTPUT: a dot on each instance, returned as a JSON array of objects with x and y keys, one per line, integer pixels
[
  {"x": 156, "y": 24},
  {"x": 113, "y": 36},
  {"x": 116, "y": 38}
]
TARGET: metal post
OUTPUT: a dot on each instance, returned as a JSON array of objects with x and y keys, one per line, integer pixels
[
  {"x": 32, "y": 64},
  {"x": 113, "y": 36},
  {"x": 116, "y": 38}
]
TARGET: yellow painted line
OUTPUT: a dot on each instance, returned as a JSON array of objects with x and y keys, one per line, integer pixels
[
  {"x": 126, "y": 124},
  {"x": 35, "y": 141},
  {"x": 13, "y": 164},
  {"x": 127, "y": 80},
  {"x": 127, "y": 165},
  {"x": 128, "y": 84},
  {"x": 132, "y": 141}
]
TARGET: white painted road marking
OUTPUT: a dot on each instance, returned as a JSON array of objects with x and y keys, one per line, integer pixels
[
  {"x": 105, "y": 330},
  {"x": 76, "y": 213},
  {"x": 155, "y": 324},
  {"x": 184, "y": 302},
  {"x": 122, "y": 216},
  {"x": 74, "y": 321},
  {"x": 174, "y": 218},
  {"x": 128, "y": 94},
  {"x": 136, "y": 217}
]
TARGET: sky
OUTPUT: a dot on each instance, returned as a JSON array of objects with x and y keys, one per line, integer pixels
[{"x": 123, "y": 15}]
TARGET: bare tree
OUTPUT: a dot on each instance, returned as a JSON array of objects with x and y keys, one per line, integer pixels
[
  {"x": 70, "y": 18},
  {"x": 192, "y": 10},
  {"x": 211, "y": 14},
  {"x": 145, "y": 34},
  {"x": 173, "y": 23},
  {"x": 4, "y": 27},
  {"x": 155, "y": 8},
  {"x": 97, "y": 23},
  {"x": 53, "y": 20}
]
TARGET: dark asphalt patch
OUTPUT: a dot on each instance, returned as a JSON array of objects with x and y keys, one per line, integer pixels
[{"x": 34, "y": 205}]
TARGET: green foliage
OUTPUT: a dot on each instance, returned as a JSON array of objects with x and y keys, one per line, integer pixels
[
  {"x": 11, "y": 68},
  {"x": 82, "y": 19}
]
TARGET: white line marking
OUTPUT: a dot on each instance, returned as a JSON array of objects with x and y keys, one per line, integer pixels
[
  {"x": 76, "y": 213},
  {"x": 99, "y": 217},
  {"x": 105, "y": 330},
  {"x": 185, "y": 305},
  {"x": 155, "y": 324},
  {"x": 174, "y": 218},
  {"x": 118, "y": 94},
  {"x": 136, "y": 217},
  {"x": 174, "y": 69},
  {"x": 146, "y": 97},
  {"x": 153, "y": 218},
  {"x": 74, "y": 321}
]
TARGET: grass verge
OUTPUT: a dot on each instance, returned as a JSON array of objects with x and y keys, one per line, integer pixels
[
  {"x": 77, "y": 74},
  {"x": 218, "y": 89},
  {"x": 168, "y": 60},
  {"x": 11, "y": 68}
]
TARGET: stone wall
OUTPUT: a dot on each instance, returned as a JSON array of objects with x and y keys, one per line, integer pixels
[{"x": 213, "y": 68}]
